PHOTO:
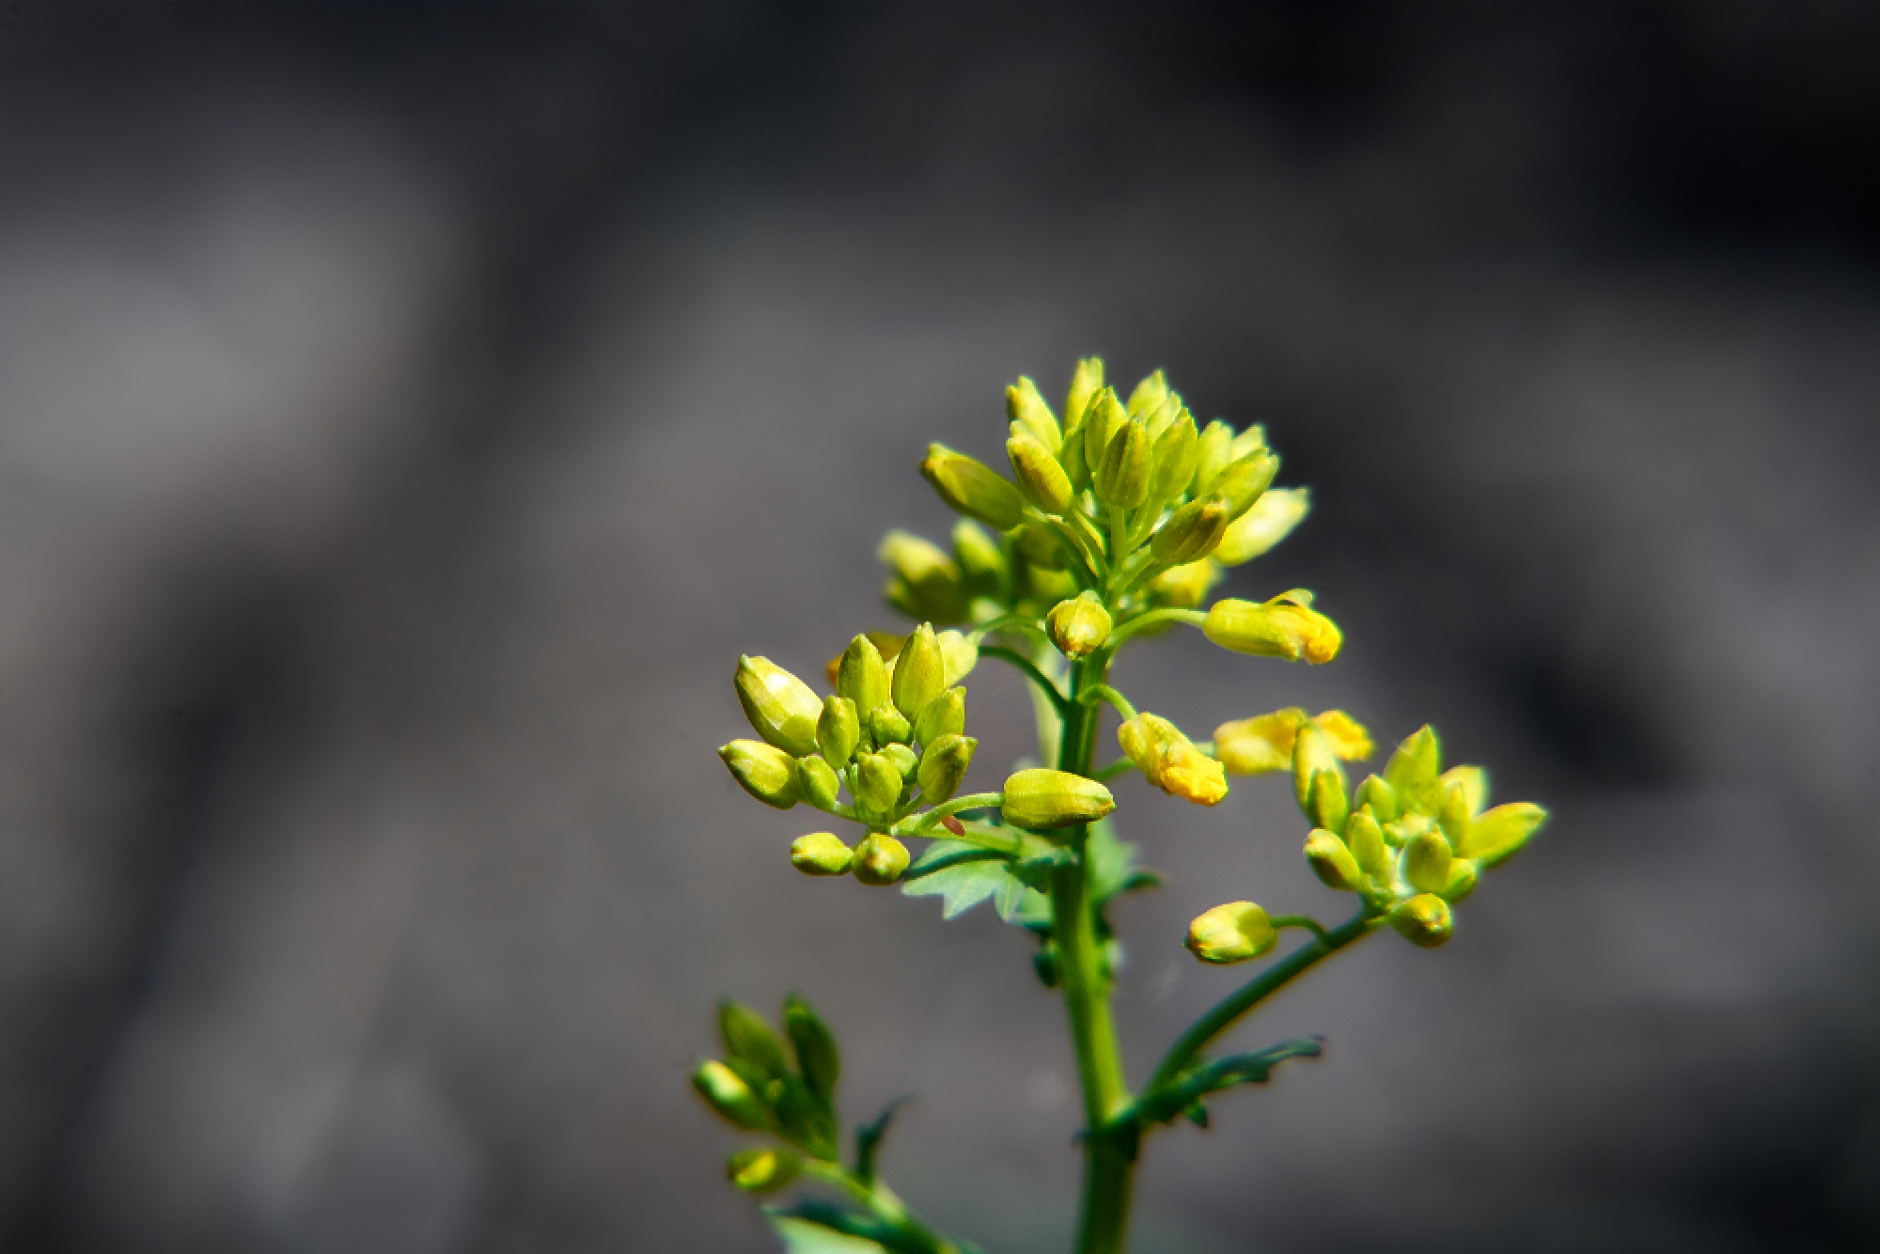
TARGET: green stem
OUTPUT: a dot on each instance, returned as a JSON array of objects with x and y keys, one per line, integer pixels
[
  {"x": 927, "y": 818},
  {"x": 1256, "y": 990},
  {"x": 1109, "y": 1158},
  {"x": 1058, "y": 701},
  {"x": 883, "y": 1204},
  {"x": 1103, "y": 692},
  {"x": 1194, "y": 618}
]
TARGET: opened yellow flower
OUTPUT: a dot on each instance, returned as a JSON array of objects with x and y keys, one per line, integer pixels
[
  {"x": 1255, "y": 746},
  {"x": 1170, "y": 761}
]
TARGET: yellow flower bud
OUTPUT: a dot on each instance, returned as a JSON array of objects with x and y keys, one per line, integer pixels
[
  {"x": 880, "y": 859},
  {"x": 958, "y": 656},
  {"x": 1376, "y": 794},
  {"x": 943, "y": 765},
  {"x": 1462, "y": 878},
  {"x": 1080, "y": 626},
  {"x": 764, "y": 771},
  {"x": 1423, "y": 920},
  {"x": 919, "y": 673},
  {"x": 1267, "y": 521},
  {"x": 1234, "y": 932},
  {"x": 926, "y": 584},
  {"x": 1149, "y": 394},
  {"x": 816, "y": 782},
  {"x": 1285, "y": 627},
  {"x": 862, "y": 676},
  {"x": 1185, "y": 587},
  {"x": 821, "y": 853},
  {"x": 1426, "y": 861},
  {"x": 1497, "y": 835},
  {"x": 1412, "y": 773},
  {"x": 1313, "y": 755},
  {"x": 973, "y": 488},
  {"x": 944, "y": 715},
  {"x": 1044, "y": 799},
  {"x": 1105, "y": 417},
  {"x": 877, "y": 783},
  {"x": 1366, "y": 841},
  {"x": 1170, "y": 761},
  {"x": 1243, "y": 482},
  {"x": 1247, "y": 443},
  {"x": 762, "y": 1168},
  {"x": 1332, "y": 861},
  {"x": 781, "y": 708},
  {"x": 1190, "y": 533},
  {"x": 1469, "y": 784},
  {"x": 982, "y": 562},
  {"x": 1086, "y": 382},
  {"x": 888, "y": 725},
  {"x": 1255, "y": 746},
  {"x": 1121, "y": 479},
  {"x": 838, "y": 731},
  {"x": 1326, "y": 804},
  {"x": 730, "y": 1096},
  {"x": 1176, "y": 450},
  {"x": 905, "y": 759},
  {"x": 1212, "y": 455},
  {"x": 1028, "y": 412},
  {"x": 1040, "y": 476}
]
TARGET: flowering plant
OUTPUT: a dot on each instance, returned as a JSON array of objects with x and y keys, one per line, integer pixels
[{"x": 1115, "y": 525}]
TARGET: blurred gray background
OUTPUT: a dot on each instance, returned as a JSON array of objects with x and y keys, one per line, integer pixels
[{"x": 407, "y": 416}]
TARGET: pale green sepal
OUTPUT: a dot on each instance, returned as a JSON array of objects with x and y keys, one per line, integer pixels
[
  {"x": 1149, "y": 394},
  {"x": 1377, "y": 794},
  {"x": 973, "y": 488},
  {"x": 1212, "y": 456},
  {"x": 1121, "y": 479},
  {"x": 958, "y": 656},
  {"x": 1366, "y": 841},
  {"x": 1332, "y": 861},
  {"x": 1105, "y": 417},
  {"x": 905, "y": 760},
  {"x": 1027, "y": 410},
  {"x": 1462, "y": 881},
  {"x": 1086, "y": 382},
  {"x": 1176, "y": 451},
  {"x": 1412, "y": 771},
  {"x": 944, "y": 715},
  {"x": 1426, "y": 862},
  {"x": 877, "y": 783},
  {"x": 1496, "y": 836},
  {"x": 862, "y": 676},
  {"x": 838, "y": 731},
  {"x": 919, "y": 672},
  {"x": 1242, "y": 483},
  {"x": 888, "y": 725}
]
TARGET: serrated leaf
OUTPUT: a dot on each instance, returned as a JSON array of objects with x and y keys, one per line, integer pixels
[
  {"x": 1113, "y": 868},
  {"x": 965, "y": 876},
  {"x": 806, "y": 1236}
]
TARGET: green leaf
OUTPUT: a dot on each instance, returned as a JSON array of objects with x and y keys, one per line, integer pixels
[
  {"x": 964, "y": 875},
  {"x": 1184, "y": 1093},
  {"x": 806, "y": 1236},
  {"x": 868, "y": 1138},
  {"x": 1113, "y": 868}
]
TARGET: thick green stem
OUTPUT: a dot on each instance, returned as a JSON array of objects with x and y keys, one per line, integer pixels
[{"x": 1109, "y": 1161}]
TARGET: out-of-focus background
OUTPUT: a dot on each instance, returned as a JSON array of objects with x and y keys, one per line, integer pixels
[{"x": 407, "y": 416}]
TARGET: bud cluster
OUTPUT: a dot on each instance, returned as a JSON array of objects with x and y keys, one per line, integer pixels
[
  {"x": 892, "y": 735},
  {"x": 763, "y": 1086}
]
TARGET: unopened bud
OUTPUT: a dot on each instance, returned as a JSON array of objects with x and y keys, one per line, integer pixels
[
  {"x": 919, "y": 673},
  {"x": 1497, "y": 835},
  {"x": 817, "y": 1055},
  {"x": 1121, "y": 479},
  {"x": 1366, "y": 841},
  {"x": 763, "y": 1168},
  {"x": 904, "y": 758},
  {"x": 1332, "y": 861},
  {"x": 1247, "y": 443},
  {"x": 1269, "y": 520},
  {"x": 1176, "y": 451},
  {"x": 1412, "y": 772},
  {"x": 1040, "y": 475},
  {"x": 1191, "y": 532},
  {"x": 1185, "y": 587},
  {"x": 838, "y": 730},
  {"x": 1283, "y": 627},
  {"x": 1105, "y": 417},
  {"x": 1234, "y": 932},
  {"x": 821, "y": 853},
  {"x": 1423, "y": 920},
  {"x": 880, "y": 859},
  {"x": 926, "y": 584},
  {"x": 1376, "y": 794},
  {"x": 1044, "y": 799},
  {"x": 1086, "y": 382},
  {"x": 781, "y": 708},
  {"x": 1326, "y": 804},
  {"x": 1028, "y": 411},
  {"x": 764, "y": 771},
  {"x": 1149, "y": 394},
  {"x": 749, "y": 1039},
  {"x": 1469, "y": 784},
  {"x": 1313, "y": 756},
  {"x": 958, "y": 656},
  {"x": 1211, "y": 456},
  {"x": 877, "y": 783},
  {"x": 943, "y": 765},
  {"x": 1462, "y": 879},
  {"x": 730, "y": 1096},
  {"x": 1255, "y": 746},
  {"x": 1242, "y": 483},
  {"x": 862, "y": 676},
  {"x": 1079, "y": 626},
  {"x": 982, "y": 562},
  {"x": 973, "y": 488},
  {"x": 1426, "y": 862},
  {"x": 944, "y": 715},
  {"x": 816, "y": 782},
  {"x": 888, "y": 725}
]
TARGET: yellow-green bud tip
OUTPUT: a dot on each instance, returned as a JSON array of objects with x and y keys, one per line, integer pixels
[
  {"x": 1234, "y": 932},
  {"x": 730, "y": 1096},
  {"x": 821, "y": 853}
]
